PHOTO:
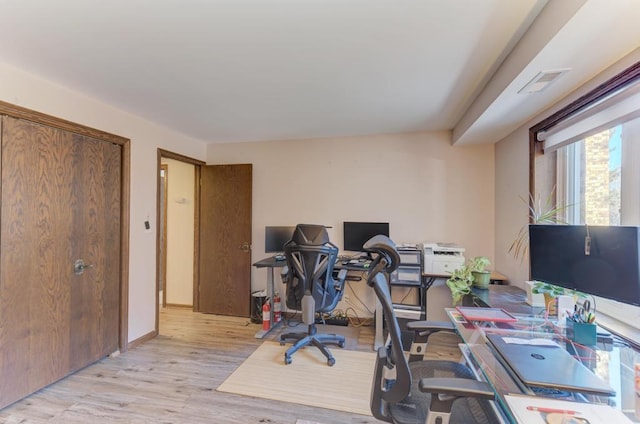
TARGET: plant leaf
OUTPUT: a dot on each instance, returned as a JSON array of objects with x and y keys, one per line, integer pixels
[{"x": 539, "y": 213}]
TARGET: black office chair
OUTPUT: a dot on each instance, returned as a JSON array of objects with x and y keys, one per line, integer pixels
[
  {"x": 419, "y": 391},
  {"x": 311, "y": 287}
]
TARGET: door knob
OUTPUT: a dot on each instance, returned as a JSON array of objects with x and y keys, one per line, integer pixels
[
  {"x": 79, "y": 266},
  {"x": 245, "y": 246}
]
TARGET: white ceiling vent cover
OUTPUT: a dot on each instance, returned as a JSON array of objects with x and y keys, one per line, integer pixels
[{"x": 542, "y": 80}]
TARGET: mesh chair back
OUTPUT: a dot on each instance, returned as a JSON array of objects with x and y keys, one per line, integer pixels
[
  {"x": 385, "y": 262},
  {"x": 310, "y": 258}
]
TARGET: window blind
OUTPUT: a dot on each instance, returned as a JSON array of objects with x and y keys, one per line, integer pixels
[{"x": 615, "y": 109}]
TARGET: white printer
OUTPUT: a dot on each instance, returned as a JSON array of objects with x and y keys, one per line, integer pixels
[{"x": 442, "y": 258}]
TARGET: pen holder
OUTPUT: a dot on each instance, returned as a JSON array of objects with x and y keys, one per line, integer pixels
[{"x": 582, "y": 332}]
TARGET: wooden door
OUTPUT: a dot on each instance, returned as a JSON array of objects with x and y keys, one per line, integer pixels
[
  {"x": 225, "y": 239},
  {"x": 60, "y": 202}
]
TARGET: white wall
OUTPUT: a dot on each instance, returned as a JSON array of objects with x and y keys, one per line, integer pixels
[
  {"x": 180, "y": 231},
  {"x": 23, "y": 89},
  {"x": 425, "y": 188},
  {"x": 512, "y": 177},
  {"x": 512, "y": 208}
]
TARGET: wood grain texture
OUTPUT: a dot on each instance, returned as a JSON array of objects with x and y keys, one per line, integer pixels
[
  {"x": 225, "y": 225},
  {"x": 10, "y": 110},
  {"x": 61, "y": 201},
  {"x": 55, "y": 122},
  {"x": 96, "y": 238},
  {"x": 34, "y": 290},
  {"x": 173, "y": 379}
]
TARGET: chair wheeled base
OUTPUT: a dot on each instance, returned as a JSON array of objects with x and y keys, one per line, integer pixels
[{"x": 312, "y": 338}]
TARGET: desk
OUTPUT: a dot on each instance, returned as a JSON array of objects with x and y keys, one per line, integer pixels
[
  {"x": 378, "y": 338},
  {"x": 614, "y": 363},
  {"x": 271, "y": 263},
  {"x": 428, "y": 278},
  {"x": 510, "y": 298}
]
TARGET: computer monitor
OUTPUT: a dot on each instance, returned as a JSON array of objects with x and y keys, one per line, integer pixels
[
  {"x": 275, "y": 238},
  {"x": 598, "y": 260},
  {"x": 356, "y": 234}
]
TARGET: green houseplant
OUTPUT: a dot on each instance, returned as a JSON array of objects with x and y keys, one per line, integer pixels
[
  {"x": 460, "y": 283},
  {"x": 481, "y": 276},
  {"x": 550, "y": 292},
  {"x": 548, "y": 289},
  {"x": 546, "y": 212}
]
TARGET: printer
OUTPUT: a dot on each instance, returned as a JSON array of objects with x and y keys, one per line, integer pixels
[{"x": 442, "y": 258}]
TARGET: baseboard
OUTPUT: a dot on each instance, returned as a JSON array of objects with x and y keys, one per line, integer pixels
[
  {"x": 178, "y": 306},
  {"x": 140, "y": 340}
]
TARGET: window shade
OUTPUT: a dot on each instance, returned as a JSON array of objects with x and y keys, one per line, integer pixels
[{"x": 618, "y": 108}]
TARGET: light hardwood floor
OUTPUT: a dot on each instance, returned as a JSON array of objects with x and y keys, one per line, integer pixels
[{"x": 173, "y": 379}]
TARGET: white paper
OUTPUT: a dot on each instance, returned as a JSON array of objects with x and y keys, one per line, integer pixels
[
  {"x": 595, "y": 413},
  {"x": 530, "y": 342}
]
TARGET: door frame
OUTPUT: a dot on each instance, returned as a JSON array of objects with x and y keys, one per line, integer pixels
[
  {"x": 196, "y": 219},
  {"x": 125, "y": 143},
  {"x": 162, "y": 232}
]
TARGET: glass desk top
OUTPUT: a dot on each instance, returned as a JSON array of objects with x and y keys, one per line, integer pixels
[{"x": 610, "y": 359}]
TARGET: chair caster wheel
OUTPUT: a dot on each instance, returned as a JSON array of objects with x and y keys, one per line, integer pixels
[
  {"x": 282, "y": 342},
  {"x": 287, "y": 360},
  {"x": 341, "y": 344},
  {"x": 331, "y": 362}
]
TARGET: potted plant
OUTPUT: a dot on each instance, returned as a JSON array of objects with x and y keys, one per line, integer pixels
[
  {"x": 539, "y": 213},
  {"x": 481, "y": 276},
  {"x": 550, "y": 292},
  {"x": 460, "y": 283}
]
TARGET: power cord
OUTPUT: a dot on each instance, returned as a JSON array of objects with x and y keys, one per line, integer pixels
[{"x": 364, "y": 305}]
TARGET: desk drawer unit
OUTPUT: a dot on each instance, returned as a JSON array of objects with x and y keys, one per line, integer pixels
[
  {"x": 409, "y": 275},
  {"x": 406, "y": 276},
  {"x": 410, "y": 257}
]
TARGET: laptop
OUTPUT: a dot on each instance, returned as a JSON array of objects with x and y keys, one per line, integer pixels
[{"x": 548, "y": 366}]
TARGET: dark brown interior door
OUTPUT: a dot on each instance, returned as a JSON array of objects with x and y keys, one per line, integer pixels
[
  {"x": 60, "y": 203},
  {"x": 225, "y": 239}
]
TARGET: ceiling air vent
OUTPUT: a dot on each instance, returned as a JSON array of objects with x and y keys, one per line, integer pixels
[{"x": 542, "y": 80}]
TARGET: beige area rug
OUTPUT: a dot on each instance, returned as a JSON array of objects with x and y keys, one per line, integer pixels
[{"x": 308, "y": 380}]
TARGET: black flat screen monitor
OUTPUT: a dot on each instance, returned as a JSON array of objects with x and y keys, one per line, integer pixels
[
  {"x": 356, "y": 234},
  {"x": 605, "y": 264},
  {"x": 276, "y": 237}
]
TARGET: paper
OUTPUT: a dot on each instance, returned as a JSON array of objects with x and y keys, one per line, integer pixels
[
  {"x": 536, "y": 410},
  {"x": 530, "y": 342}
]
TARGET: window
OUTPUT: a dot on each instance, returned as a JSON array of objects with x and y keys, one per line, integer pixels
[
  {"x": 589, "y": 153},
  {"x": 591, "y": 176}
]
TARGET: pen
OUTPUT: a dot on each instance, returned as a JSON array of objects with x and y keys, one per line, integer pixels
[{"x": 552, "y": 410}]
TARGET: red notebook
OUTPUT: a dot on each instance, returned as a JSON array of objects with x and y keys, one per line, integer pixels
[{"x": 485, "y": 314}]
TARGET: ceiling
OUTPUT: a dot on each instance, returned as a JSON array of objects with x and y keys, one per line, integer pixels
[{"x": 254, "y": 70}]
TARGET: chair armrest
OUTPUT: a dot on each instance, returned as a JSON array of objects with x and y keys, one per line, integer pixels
[
  {"x": 460, "y": 387},
  {"x": 450, "y": 389},
  {"x": 422, "y": 331}
]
